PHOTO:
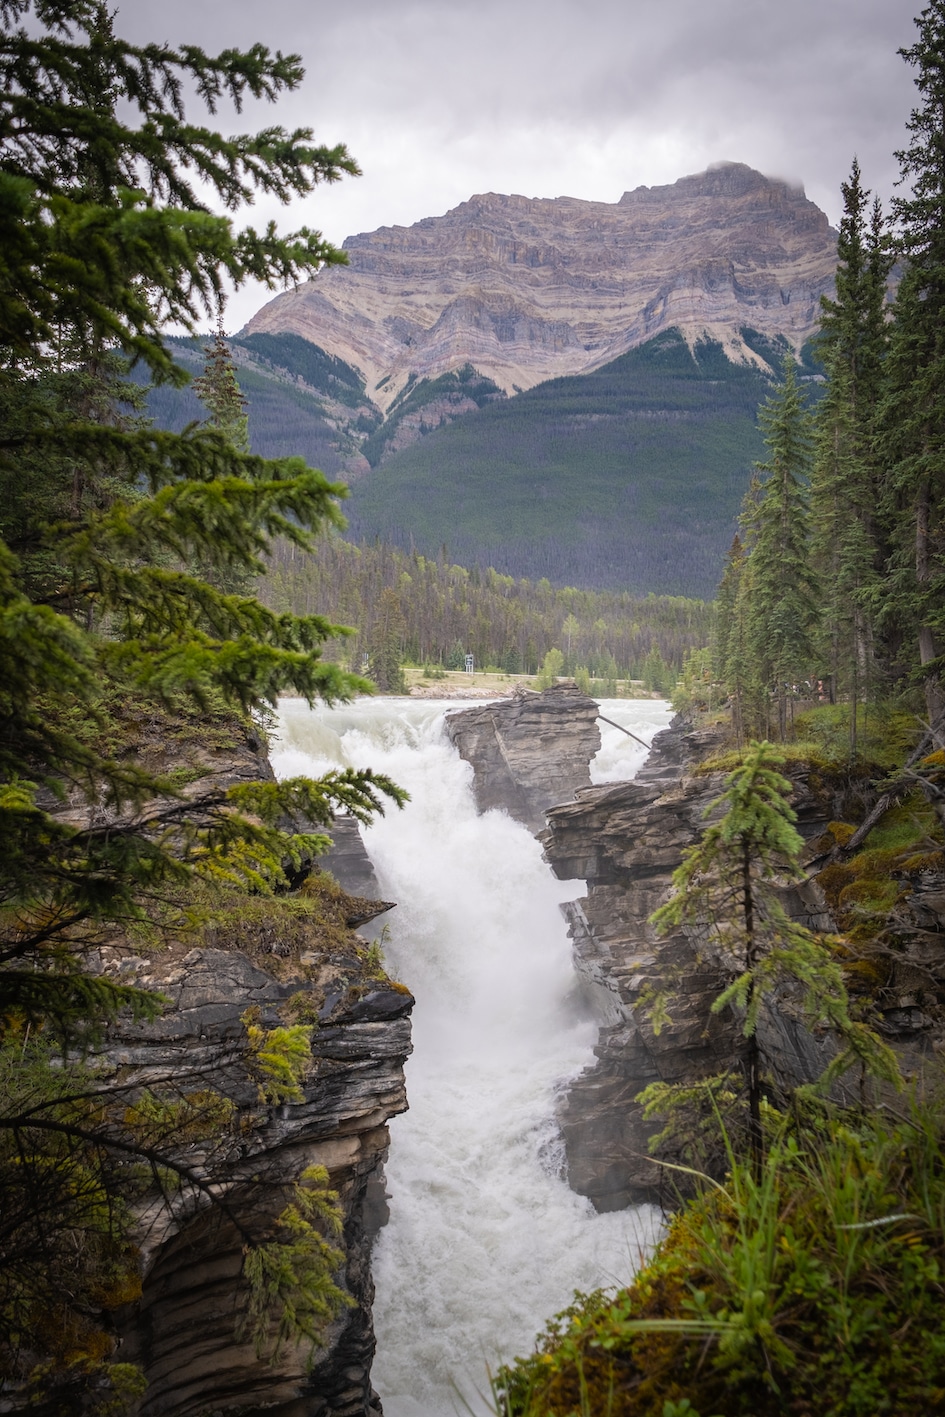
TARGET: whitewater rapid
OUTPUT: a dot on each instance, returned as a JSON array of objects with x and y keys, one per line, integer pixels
[{"x": 485, "y": 1241}]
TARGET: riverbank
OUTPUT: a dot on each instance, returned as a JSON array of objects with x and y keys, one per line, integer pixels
[{"x": 457, "y": 684}]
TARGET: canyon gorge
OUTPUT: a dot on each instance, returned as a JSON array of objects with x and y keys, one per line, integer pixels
[{"x": 520, "y": 1169}]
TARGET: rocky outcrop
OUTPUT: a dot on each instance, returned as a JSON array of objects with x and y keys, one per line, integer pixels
[
  {"x": 531, "y": 289},
  {"x": 348, "y": 860},
  {"x": 530, "y": 751},
  {"x": 625, "y": 840},
  {"x": 183, "y": 1330},
  {"x": 272, "y": 968}
]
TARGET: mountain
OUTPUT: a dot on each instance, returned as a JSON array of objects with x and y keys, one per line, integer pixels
[
  {"x": 557, "y": 388},
  {"x": 626, "y": 478},
  {"x": 527, "y": 290}
]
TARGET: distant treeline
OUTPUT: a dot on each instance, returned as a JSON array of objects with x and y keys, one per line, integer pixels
[{"x": 432, "y": 612}]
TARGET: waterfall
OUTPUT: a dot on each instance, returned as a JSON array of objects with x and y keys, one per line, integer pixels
[{"x": 485, "y": 1240}]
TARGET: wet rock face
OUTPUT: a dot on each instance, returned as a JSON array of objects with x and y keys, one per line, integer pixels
[
  {"x": 182, "y": 1331},
  {"x": 348, "y": 860},
  {"x": 625, "y": 840},
  {"x": 528, "y": 752}
]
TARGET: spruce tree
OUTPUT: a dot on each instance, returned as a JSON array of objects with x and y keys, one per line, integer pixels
[
  {"x": 781, "y": 607},
  {"x": 912, "y": 425},
  {"x": 98, "y": 598},
  {"x": 218, "y": 390},
  {"x": 727, "y": 887},
  {"x": 848, "y": 544}
]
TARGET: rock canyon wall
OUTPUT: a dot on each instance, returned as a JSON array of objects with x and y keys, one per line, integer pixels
[
  {"x": 528, "y": 752},
  {"x": 183, "y": 1332},
  {"x": 625, "y": 840}
]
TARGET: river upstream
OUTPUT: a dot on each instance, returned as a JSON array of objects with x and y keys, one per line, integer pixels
[{"x": 485, "y": 1240}]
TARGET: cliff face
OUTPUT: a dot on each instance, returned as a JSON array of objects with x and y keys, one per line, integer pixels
[
  {"x": 528, "y": 752},
  {"x": 182, "y": 1332},
  {"x": 526, "y": 290},
  {"x": 626, "y": 840}
]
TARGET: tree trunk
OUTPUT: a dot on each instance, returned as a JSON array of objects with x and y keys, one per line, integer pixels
[
  {"x": 752, "y": 1051},
  {"x": 928, "y": 650}
]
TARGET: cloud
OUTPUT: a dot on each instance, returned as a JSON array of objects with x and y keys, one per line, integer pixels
[{"x": 439, "y": 99}]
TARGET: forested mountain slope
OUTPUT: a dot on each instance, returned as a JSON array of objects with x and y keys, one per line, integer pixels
[
  {"x": 626, "y": 478},
  {"x": 629, "y": 477}
]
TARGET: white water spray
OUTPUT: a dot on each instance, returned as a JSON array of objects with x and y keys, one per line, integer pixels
[{"x": 485, "y": 1240}]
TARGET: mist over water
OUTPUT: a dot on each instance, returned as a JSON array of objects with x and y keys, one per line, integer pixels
[{"x": 485, "y": 1240}]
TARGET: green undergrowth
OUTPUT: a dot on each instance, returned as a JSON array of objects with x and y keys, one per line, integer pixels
[
  {"x": 815, "y": 1291},
  {"x": 885, "y": 734},
  {"x": 313, "y": 925},
  {"x": 868, "y": 891},
  {"x": 317, "y": 917}
]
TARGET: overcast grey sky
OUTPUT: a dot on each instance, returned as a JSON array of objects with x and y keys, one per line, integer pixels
[{"x": 440, "y": 99}]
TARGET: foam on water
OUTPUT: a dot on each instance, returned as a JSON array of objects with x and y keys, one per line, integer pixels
[{"x": 485, "y": 1240}]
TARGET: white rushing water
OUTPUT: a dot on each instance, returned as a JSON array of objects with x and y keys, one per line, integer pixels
[{"x": 485, "y": 1241}]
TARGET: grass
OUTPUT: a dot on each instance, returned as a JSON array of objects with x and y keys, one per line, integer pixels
[{"x": 815, "y": 1291}]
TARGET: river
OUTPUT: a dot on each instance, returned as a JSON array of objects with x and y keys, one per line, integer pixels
[{"x": 485, "y": 1240}]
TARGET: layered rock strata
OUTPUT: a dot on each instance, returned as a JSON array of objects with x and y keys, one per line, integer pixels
[
  {"x": 625, "y": 840},
  {"x": 183, "y": 1332},
  {"x": 530, "y": 751},
  {"x": 348, "y": 860},
  {"x": 531, "y": 289}
]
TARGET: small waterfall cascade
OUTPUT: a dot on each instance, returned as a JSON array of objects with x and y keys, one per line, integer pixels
[{"x": 485, "y": 1241}]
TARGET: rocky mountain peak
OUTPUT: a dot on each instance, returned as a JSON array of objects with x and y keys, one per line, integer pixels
[{"x": 525, "y": 289}]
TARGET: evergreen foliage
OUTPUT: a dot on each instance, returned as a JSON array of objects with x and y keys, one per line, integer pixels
[
  {"x": 781, "y": 605},
  {"x": 912, "y": 420},
  {"x": 119, "y": 540},
  {"x": 448, "y": 610},
  {"x": 626, "y": 478},
  {"x": 219, "y": 391},
  {"x": 728, "y": 888},
  {"x": 849, "y": 546}
]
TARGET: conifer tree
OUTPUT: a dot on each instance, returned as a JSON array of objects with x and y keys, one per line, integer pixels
[
  {"x": 912, "y": 427},
  {"x": 386, "y": 652},
  {"x": 848, "y": 544},
  {"x": 781, "y": 607},
  {"x": 218, "y": 390},
  {"x": 727, "y": 887},
  {"x": 115, "y": 606}
]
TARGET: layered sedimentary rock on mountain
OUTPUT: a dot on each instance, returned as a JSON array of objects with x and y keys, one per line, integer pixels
[
  {"x": 529, "y": 289},
  {"x": 530, "y": 751}
]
